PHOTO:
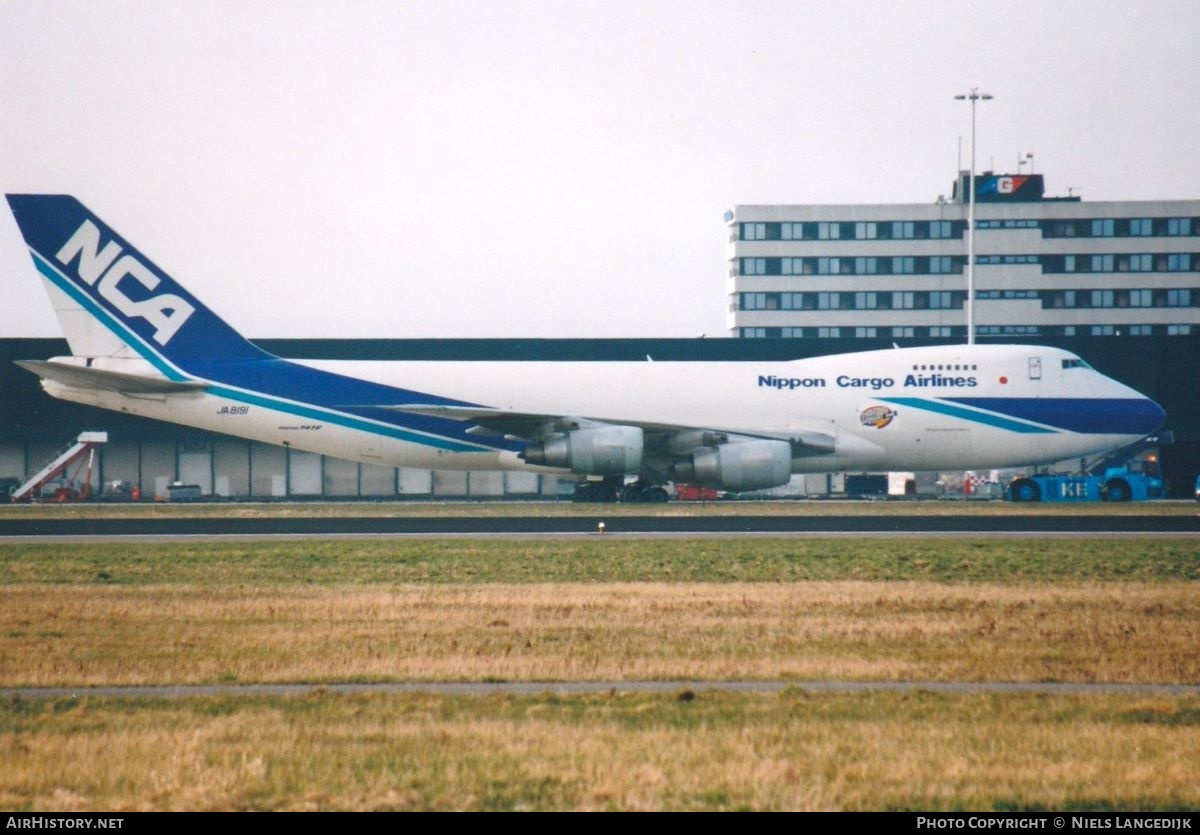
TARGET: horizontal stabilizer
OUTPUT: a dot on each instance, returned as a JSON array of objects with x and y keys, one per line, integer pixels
[{"x": 81, "y": 377}]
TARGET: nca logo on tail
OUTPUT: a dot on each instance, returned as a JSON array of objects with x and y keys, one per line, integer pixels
[{"x": 166, "y": 312}]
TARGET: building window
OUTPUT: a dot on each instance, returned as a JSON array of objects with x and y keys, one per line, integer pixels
[
  {"x": 754, "y": 301},
  {"x": 792, "y": 266},
  {"x": 754, "y": 333},
  {"x": 866, "y": 301},
  {"x": 1068, "y": 263},
  {"x": 829, "y": 333},
  {"x": 903, "y": 301},
  {"x": 903, "y": 333},
  {"x": 791, "y": 333},
  {"x": 939, "y": 332},
  {"x": 829, "y": 266},
  {"x": 829, "y": 231},
  {"x": 1140, "y": 330},
  {"x": 1103, "y": 227},
  {"x": 829, "y": 301},
  {"x": 1179, "y": 262},
  {"x": 1102, "y": 264},
  {"x": 1179, "y": 226},
  {"x": 866, "y": 266},
  {"x": 1068, "y": 330},
  {"x": 1102, "y": 298},
  {"x": 1103, "y": 330},
  {"x": 939, "y": 299},
  {"x": 1179, "y": 297},
  {"x": 941, "y": 229},
  {"x": 903, "y": 229},
  {"x": 1141, "y": 298},
  {"x": 791, "y": 231},
  {"x": 941, "y": 264},
  {"x": 864, "y": 333},
  {"x": 1178, "y": 330},
  {"x": 754, "y": 231},
  {"x": 791, "y": 301},
  {"x": 1140, "y": 226},
  {"x": 1061, "y": 229},
  {"x": 1135, "y": 263},
  {"x": 754, "y": 266},
  {"x": 903, "y": 265},
  {"x": 866, "y": 230}
]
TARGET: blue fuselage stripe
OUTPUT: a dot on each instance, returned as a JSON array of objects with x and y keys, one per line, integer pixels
[
  {"x": 1039, "y": 415},
  {"x": 1086, "y": 415},
  {"x": 987, "y": 419}
]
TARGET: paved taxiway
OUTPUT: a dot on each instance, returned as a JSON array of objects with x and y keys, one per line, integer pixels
[{"x": 861, "y": 525}]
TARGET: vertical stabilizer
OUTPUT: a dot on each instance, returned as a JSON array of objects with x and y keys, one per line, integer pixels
[{"x": 111, "y": 300}]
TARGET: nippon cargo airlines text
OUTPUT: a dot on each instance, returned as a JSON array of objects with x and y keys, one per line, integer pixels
[{"x": 846, "y": 381}]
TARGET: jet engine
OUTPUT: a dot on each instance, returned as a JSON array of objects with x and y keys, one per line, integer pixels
[
  {"x": 745, "y": 465},
  {"x": 598, "y": 450}
]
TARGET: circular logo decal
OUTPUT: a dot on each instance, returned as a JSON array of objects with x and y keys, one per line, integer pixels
[{"x": 876, "y": 416}]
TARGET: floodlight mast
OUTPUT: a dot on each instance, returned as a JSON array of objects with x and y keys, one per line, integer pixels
[{"x": 973, "y": 96}]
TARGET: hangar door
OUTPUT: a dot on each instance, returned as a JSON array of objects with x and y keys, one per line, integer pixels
[
  {"x": 304, "y": 473},
  {"x": 195, "y": 466}
]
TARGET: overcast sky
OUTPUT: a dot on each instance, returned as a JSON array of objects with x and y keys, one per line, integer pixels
[{"x": 558, "y": 168}]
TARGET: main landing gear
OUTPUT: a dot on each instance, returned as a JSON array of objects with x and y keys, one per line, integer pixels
[{"x": 613, "y": 489}]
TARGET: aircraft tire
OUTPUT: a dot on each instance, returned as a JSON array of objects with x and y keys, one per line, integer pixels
[
  {"x": 655, "y": 495},
  {"x": 1117, "y": 490},
  {"x": 1025, "y": 490}
]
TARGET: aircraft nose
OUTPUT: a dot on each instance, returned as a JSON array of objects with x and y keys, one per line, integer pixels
[
  {"x": 1142, "y": 416},
  {"x": 1155, "y": 417}
]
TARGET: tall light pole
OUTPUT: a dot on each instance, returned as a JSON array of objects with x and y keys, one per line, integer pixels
[{"x": 972, "y": 97}]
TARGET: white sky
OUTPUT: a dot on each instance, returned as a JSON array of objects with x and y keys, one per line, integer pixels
[{"x": 558, "y": 168}]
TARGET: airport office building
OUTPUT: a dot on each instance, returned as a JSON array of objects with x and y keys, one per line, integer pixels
[
  {"x": 1044, "y": 266},
  {"x": 1116, "y": 282}
]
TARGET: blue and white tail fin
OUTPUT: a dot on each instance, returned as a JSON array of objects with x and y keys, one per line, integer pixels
[{"x": 111, "y": 300}]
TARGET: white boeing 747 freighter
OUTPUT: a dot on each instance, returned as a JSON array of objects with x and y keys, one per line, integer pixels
[{"x": 143, "y": 345}]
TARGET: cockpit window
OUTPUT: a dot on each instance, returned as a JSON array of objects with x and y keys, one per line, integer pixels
[{"x": 1075, "y": 362}]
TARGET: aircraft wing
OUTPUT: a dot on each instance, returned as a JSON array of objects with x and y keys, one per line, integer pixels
[
  {"x": 533, "y": 426},
  {"x": 82, "y": 377}
]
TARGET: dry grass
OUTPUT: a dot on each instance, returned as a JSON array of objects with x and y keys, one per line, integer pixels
[
  {"x": 718, "y": 751},
  {"x": 1114, "y": 632},
  {"x": 1102, "y": 610}
]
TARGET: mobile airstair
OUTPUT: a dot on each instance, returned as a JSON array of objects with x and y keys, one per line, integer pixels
[{"x": 83, "y": 447}]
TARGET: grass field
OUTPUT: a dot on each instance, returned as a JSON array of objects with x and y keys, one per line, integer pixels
[
  {"x": 1113, "y": 610},
  {"x": 793, "y": 750}
]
